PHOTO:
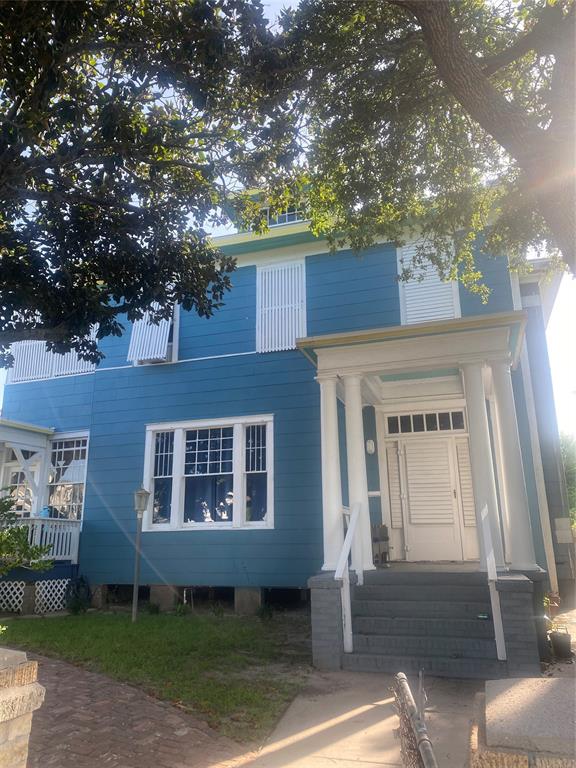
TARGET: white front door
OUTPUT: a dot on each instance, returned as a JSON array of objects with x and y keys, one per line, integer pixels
[
  {"x": 432, "y": 530},
  {"x": 430, "y": 494}
]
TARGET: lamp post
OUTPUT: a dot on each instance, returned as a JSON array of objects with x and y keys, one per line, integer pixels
[{"x": 141, "y": 497}]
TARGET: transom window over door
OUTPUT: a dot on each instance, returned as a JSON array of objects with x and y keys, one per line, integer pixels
[
  {"x": 280, "y": 306},
  {"x": 211, "y": 474},
  {"x": 425, "y": 296}
]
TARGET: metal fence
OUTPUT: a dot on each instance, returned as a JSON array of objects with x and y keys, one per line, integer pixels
[{"x": 415, "y": 745}]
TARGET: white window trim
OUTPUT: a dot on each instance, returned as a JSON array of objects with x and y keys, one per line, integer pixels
[
  {"x": 43, "y": 479},
  {"x": 402, "y": 291},
  {"x": 177, "y": 506}
]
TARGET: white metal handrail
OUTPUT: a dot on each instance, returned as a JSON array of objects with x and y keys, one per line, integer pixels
[
  {"x": 62, "y": 536},
  {"x": 342, "y": 573},
  {"x": 492, "y": 579}
]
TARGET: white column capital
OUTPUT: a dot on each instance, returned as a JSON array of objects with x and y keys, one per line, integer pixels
[{"x": 352, "y": 379}]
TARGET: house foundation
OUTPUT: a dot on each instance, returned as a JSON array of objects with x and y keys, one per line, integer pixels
[{"x": 247, "y": 600}]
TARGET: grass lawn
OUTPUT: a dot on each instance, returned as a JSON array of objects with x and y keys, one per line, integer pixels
[{"x": 239, "y": 674}]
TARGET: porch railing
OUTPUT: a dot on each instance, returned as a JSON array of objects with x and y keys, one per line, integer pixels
[
  {"x": 352, "y": 545},
  {"x": 63, "y": 536},
  {"x": 492, "y": 579}
]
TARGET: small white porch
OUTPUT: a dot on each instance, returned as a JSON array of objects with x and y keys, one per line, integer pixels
[
  {"x": 25, "y": 463},
  {"x": 447, "y": 444}
]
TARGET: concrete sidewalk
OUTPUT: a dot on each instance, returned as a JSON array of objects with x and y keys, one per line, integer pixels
[{"x": 347, "y": 720}]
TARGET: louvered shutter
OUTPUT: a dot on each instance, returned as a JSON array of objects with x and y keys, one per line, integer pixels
[
  {"x": 430, "y": 499},
  {"x": 429, "y": 298},
  {"x": 33, "y": 361},
  {"x": 394, "y": 487},
  {"x": 465, "y": 475},
  {"x": 149, "y": 342},
  {"x": 280, "y": 306}
]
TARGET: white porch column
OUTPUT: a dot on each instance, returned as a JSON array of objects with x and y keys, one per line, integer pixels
[
  {"x": 521, "y": 545},
  {"x": 357, "y": 479},
  {"x": 332, "y": 520},
  {"x": 483, "y": 480}
]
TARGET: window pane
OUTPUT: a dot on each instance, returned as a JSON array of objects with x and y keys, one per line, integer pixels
[
  {"x": 66, "y": 478},
  {"x": 418, "y": 422},
  {"x": 457, "y": 420},
  {"x": 163, "y": 454},
  {"x": 393, "y": 427},
  {"x": 431, "y": 422},
  {"x": 256, "y": 448},
  {"x": 444, "y": 420},
  {"x": 162, "y": 500},
  {"x": 65, "y": 501},
  {"x": 256, "y": 496},
  {"x": 208, "y": 499},
  {"x": 405, "y": 424},
  {"x": 209, "y": 451}
]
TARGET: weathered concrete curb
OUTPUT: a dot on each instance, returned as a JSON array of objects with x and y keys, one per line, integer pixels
[
  {"x": 20, "y": 695},
  {"x": 483, "y": 756}
]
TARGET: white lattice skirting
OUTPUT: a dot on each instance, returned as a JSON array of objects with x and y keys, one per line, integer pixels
[
  {"x": 51, "y": 595},
  {"x": 11, "y": 595}
]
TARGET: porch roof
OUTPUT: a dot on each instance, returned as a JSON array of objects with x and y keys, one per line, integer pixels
[
  {"x": 27, "y": 436},
  {"x": 508, "y": 325}
]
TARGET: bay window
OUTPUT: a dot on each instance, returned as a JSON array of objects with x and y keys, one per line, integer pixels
[{"x": 215, "y": 474}]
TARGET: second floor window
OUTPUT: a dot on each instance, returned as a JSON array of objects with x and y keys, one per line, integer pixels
[
  {"x": 33, "y": 361},
  {"x": 280, "y": 306}
]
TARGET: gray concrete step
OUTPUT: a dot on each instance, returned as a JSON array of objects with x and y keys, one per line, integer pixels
[
  {"x": 404, "y": 577},
  {"x": 421, "y": 609},
  {"x": 449, "y": 592},
  {"x": 371, "y": 625},
  {"x": 449, "y": 647},
  {"x": 437, "y": 666}
]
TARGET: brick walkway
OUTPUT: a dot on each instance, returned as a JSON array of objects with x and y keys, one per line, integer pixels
[{"x": 90, "y": 721}]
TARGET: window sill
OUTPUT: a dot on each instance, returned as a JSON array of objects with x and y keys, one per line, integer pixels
[{"x": 256, "y": 526}]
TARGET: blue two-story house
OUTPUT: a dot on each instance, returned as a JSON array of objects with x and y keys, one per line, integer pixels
[{"x": 325, "y": 400}]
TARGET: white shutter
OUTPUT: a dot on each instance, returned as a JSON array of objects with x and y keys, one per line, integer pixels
[
  {"x": 394, "y": 488},
  {"x": 430, "y": 492},
  {"x": 465, "y": 475},
  {"x": 32, "y": 361},
  {"x": 280, "y": 306},
  {"x": 429, "y": 298},
  {"x": 149, "y": 342}
]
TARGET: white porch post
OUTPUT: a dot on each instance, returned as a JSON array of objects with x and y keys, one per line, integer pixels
[
  {"x": 357, "y": 479},
  {"x": 332, "y": 521},
  {"x": 521, "y": 552},
  {"x": 483, "y": 480}
]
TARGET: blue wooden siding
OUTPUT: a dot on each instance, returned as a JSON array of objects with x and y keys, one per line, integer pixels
[
  {"x": 64, "y": 404},
  {"x": 284, "y": 556},
  {"x": 345, "y": 292},
  {"x": 496, "y": 276}
]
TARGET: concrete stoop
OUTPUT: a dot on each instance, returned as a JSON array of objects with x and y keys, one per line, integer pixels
[{"x": 525, "y": 723}]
